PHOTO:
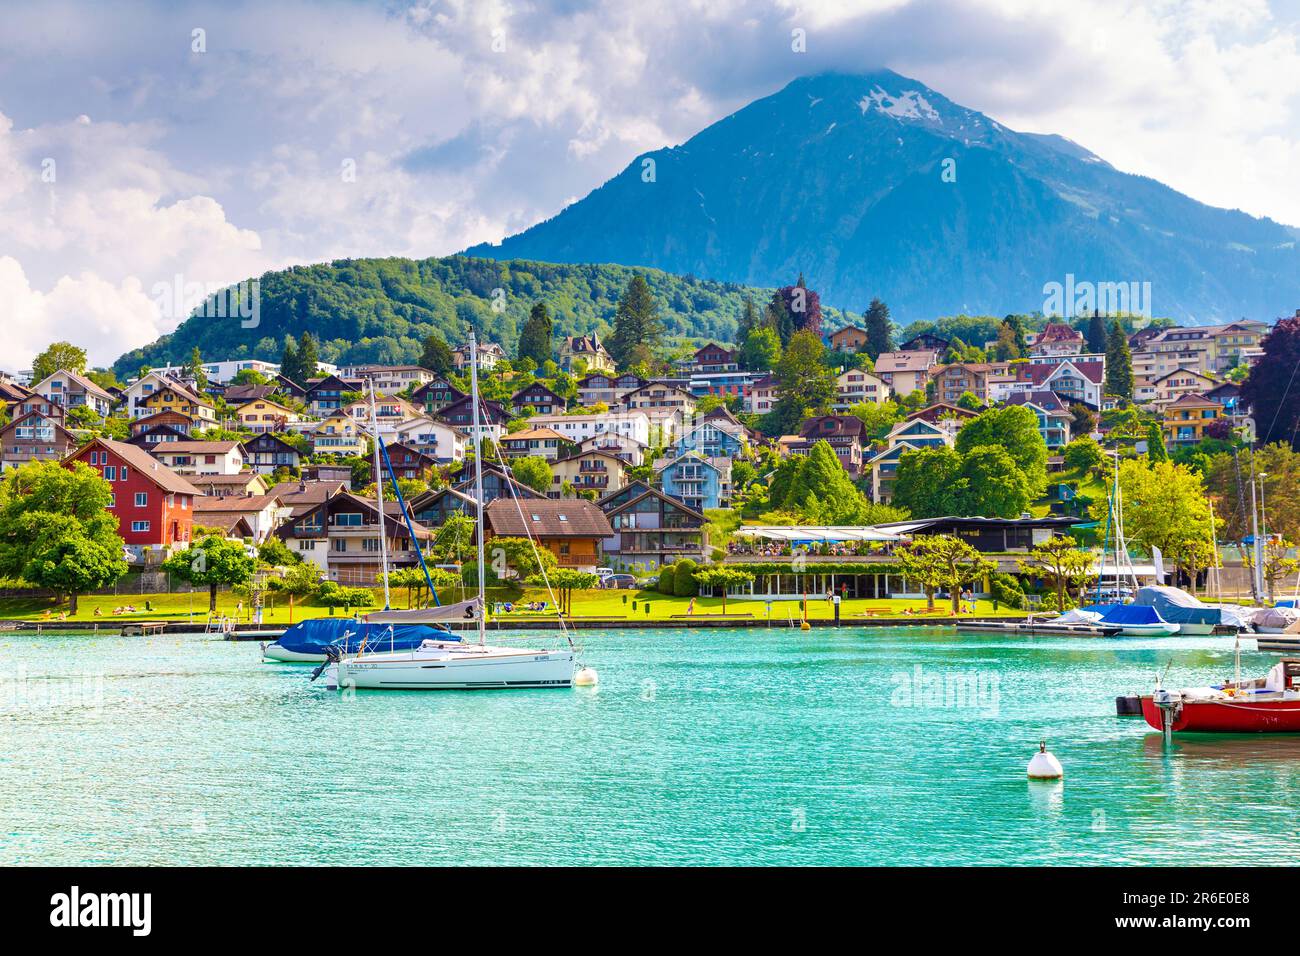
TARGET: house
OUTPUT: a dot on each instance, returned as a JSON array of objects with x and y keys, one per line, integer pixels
[
  {"x": 909, "y": 435},
  {"x": 539, "y": 442},
  {"x": 201, "y": 457},
  {"x": 735, "y": 384},
  {"x": 951, "y": 382},
  {"x": 493, "y": 417},
  {"x": 237, "y": 395},
  {"x": 576, "y": 428},
  {"x": 942, "y": 412},
  {"x": 591, "y": 471},
  {"x": 155, "y": 392},
  {"x": 434, "y": 507},
  {"x": 241, "y": 516},
  {"x": 11, "y": 392},
  {"x": 327, "y": 395},
  {"x": 438, "y": 440},
  {"x": 409, "y": 463},
  {"x": 1185, "y": 419},
  {"x": 224, "y": 371},
  {"x": 489, "y": 353},
  {"x": 851, "y": 338},
  {"x": 149, "y": 437},
  {"x": 72, "y": 390},
  {"x": 154, "y": 506},
  {"x": 1056, "y": 339},
  {"x": 606, "y": 387},
  {"x": 1227, "y": 395},
  {"x": 537, "y": 398},
  {"x": 1170, "y": 386},
  {"x": 906, "y": 370},
  {"x": 653, "y": 395},
  {"x": 846, "y": 434},
  {"x": 388, "y": 412},
  {"x": 650, "y": 529},
  {"x": 305, "y": 494},
  {"x": 620, "y": 446},
  {"x": 854, "y": 386},
  {"x": 339, "y": 434},
  {"x": 389, "y": 379},
  {"x": 264, "y": 415},
  {"x": 175, "y": 422},
  {"x": 35, "y": 433},
  {"x": 226, "y": 486},
  {"x": 269, "y": 453},
  {"x": 698, "y": 481},
  {"x": 572, "y": 530},
  {"x": 763, "y": 395},
  {"x": 714, "y": 358},
  {"x": 586, "y": 351},
  {"x": 1054, "y": 418},
  {"x": 435, "y": 395},
  {"x": 341, "y": 536},
  {"x": 925, "y": 342},
  {"x": 714, "y": 438},
  {"x": 1078, "y": 379}
]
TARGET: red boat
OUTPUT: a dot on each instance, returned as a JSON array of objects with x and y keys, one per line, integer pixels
[{"x": 1267, "y": 705}]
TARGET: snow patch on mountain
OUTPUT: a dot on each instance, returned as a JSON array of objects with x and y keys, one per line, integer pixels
[{"x": 909, "y": 104}]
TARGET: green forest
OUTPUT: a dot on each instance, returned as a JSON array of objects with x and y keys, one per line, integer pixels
[{"x": 381, "y": 310}]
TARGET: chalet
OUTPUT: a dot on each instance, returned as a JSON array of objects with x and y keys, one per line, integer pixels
[
  {"x": 654, "y": 395},
  {"x": 650, "y": 528},
  {"x": 154, "y": 506},
  {"x": 537, "y": 398},
  {"x": 591, "y": 471},
  {"x": 268, "y": 453},
  {"x": 1057, "y": 338},
  {"x": 539, "y": 442},
  {"x": 242, "y": 394},
  {"x": 241, "y": 516},
  {"x": 714, "y": 438},
  {"x": 851, "y": 338},
  {"x": 925, "y": 342},
  {"x": 855, "y": 386},
  {"x": 585, "y": 351},
  {"x": 1185, "y": 419},
  {"x": 489, "y": 354},
  {"x": 434, "y": 507},
  {"x": 1171, "y": 386},
  {"x": 11, "y": 392},
  {"x": 155, "y": 392},
  {"x": 264, "y": 415},
  {"x": 438, "y": 440},
  {"x": 846, "y": 434},
  {"x": 72, "y": 390},
  {"x": 409, "y": 463},
  {"x": 571, "y": 530},
  {"x": 696, "y": 480},
  {"x": 714, "y": 358},
  {"x": 327, "y": 395},
  {"x": 226, "y": 486},
  {"x": 620, "y": 446},
  {"x": 287, "y": 386},
  {"x": 493, "y": 417},
  {"x": 608, "y": 388},
  {"x": 201, "y": 457},
  {"x": 148, "y": 438},
  {"x": 35, "y": 433},
  {"x": 175, "y": 421},
  {"x": 304, "y": 495},
  {"x": 908, "y": 435},
  {"x": 339, "y": 434},
  {"x": 906, "y": 370},
  {"x": 435, "y": 395},
  {"x": 341, "y": 536}
]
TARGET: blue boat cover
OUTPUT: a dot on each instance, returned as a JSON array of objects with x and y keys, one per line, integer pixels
[
  {"x": 347, "y": 634},
  {"x": 1124, "y": 614}
]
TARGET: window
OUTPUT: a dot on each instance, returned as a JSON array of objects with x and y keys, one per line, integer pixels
[
  {"x": 139, "y": 526},
  {"x": 124, "y": 473},
  {"x": 141, "y": 499},
  {"x": 339, "y": 544},
  {"x": 110, "y": 473}
]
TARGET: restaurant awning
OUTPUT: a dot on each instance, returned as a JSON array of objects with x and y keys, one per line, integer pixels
[{"x": 796, "y": 534}]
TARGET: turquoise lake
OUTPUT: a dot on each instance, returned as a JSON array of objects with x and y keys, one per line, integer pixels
[{"x": 699, "y": 747}]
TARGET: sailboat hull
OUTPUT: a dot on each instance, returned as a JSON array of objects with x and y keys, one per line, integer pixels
[{"x": 495, "y": 669}]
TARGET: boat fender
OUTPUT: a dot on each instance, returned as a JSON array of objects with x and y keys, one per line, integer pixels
[
  {"x": 586, "y": 677},
  {"x": 1044, "y": 766}
]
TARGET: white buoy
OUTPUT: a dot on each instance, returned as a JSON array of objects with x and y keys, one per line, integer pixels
[
  {"x": 586, "y": 677},
  {"x": 1044, "y": 766}
]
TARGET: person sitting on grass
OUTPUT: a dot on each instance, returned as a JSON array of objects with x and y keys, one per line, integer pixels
[{"x": 99, "y": 612}]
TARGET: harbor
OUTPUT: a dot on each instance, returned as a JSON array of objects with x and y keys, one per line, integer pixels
[{"x": 883, "y": 745}]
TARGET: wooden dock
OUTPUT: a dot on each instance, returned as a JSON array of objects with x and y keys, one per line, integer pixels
[{"x": 144, "y": 628}]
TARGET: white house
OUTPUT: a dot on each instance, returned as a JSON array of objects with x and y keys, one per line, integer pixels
[
  {"x": 435, "y": 439},
  {"x": 201, "y": 457},
  {"x": 578, "y": 428}
]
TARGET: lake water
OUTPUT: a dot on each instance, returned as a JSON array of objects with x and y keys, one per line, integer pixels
[{"x": 699, "y": 747}]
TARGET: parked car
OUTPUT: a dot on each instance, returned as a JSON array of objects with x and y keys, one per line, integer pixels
[
  {"x": 620, "y": 581},
  {"x": 604, "y": 572}
]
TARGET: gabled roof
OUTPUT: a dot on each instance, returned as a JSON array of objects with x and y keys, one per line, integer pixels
[
  {"x": 548, "y": 518},
  {"x": 264, "y": 437},
  {"x": 932, "y": 413},
  {"x": 86, "y": 384},
  {"x": 392, "y": 522},
  {"x": 1039, "y": 372},
  {"x": 577, "y": 456},
  {"x": 199, "y": 447},
  {"x": 265, "y": 401},
  {"x": 517, "y": 397},
  {"x": 1184, "y": 371},
  {"x": 535, "y": 434},
  {"x": 241, "y": 480},
  {"x": 1058, "y": 332},
  {"x": 1192, "y": 399},
  {"x": 641, "y": 491},
  {"x": 1043, "y": 398},
  {"x": 62, "y": 433},
  {"x": 143, "y": 463},
  {"x": 246, "y": 504},
  {"x": 843, "y": 425},
  {"x": 918, "y": 360}
]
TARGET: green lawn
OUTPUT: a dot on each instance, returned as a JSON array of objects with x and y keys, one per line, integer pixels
[{"x": 586, "y": 604}]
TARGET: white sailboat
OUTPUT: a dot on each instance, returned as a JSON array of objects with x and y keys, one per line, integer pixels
[{"x": 454, "y": 664}]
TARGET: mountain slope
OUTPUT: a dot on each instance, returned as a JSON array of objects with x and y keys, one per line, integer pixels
[
  {"x": 380, "y": 310},
  {"x": 840, "y": 177}
]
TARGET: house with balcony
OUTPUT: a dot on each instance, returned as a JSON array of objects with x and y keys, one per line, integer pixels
[
  {"x": 156, "y": 393},
  {"x": 268, "y": 453},
  {"x": 620, "y": 446},
  {"x": 225, "y": 486},
  {"x": 1076, "y": 379},
  {"x": 712, "y": 357},
  {"x": 925, "y": 342},
  {"x": 1173, "y": 385},
  {"x": 846, "y": 434},
  {"x": 73, "y": 390},
  {"x": 389, "y": 379},
  {"x": 253, "y": 517},
  {"x": 659, "y": 395},
  {"x": 328, "y": 394},
  {"x": 389, "y": 413},
  {"x": 439, "y": 440},
  {"x": 572, "y": 530},
  {"x": 650, "y": 529},
  {"x": 264, "y": 415},
  {"x": 906, "y": 370},
  {"x": 201, "y": 457},
  {"x": 1054, "y": 418},
  {"x": 606, "y": 387},
  {"x": 493, "y": 417},
  {"x": 409, "y": 464},
  {"x": 585, "y": 352},
  {"x": 435, "y": 395},
  {"x": 537, "y": 399},
  {"x": 1057, "y": 339},
  {"x": 341, "y": 536},
  {"x": 851, "y": 338},
  {"x": 855, "y": 386},
  {"x": 339, "y": 434},
  {"x": 763, "y": 395},
  {"x": 1185, "y": 419},
  {"x": 536, "y": 442},
  {"x": 908, "y": 435},
  {"x": 577, "y": 428},
  {"x": 698, "y": 481},
  {"x": 951, "y": 382},
  {"x": 35, "y": 433},
  {"x": 714, "y": 438},
  {"x": 170, "y": 423},
  {"x": 489, "y": 354},
  {"x": 736, "y": 384},
  {"x": 591, "y": 471}
]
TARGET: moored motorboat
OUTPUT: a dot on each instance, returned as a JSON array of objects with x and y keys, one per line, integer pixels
[
  {"x": 1134, "y": 620},
  {"x": 1268, "y": 705}
]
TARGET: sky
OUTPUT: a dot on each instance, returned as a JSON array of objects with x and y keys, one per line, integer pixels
[{"x": 152, "y": 150}]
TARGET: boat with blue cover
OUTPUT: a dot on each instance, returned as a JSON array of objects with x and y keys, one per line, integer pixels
[
  {"x": 310, "y": 642},
  {"x": 1133, "y": 620}
]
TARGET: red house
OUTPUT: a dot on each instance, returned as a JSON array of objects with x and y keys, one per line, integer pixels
[{"x": 153, "y": 504}]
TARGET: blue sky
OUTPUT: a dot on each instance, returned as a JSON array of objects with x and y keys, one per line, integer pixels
[{"x": 134, "y": 150}]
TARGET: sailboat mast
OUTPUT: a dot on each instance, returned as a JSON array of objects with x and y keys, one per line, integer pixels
[
  {"x": 477, "y": 435},
  {"x": 379, "y": 493}
]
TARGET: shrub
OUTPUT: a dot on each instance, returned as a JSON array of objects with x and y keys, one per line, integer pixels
[
  {"x": 332, "y": 594},
  {"x": 665, "y": 582},
  {"x": 1006, "y": 590},
  {"x": 684, "y": 579}
]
